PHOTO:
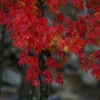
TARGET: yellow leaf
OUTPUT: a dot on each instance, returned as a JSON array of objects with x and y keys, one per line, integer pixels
[
  {"x": 65, "y": 48},
  {"x": 22, "y": 3}
]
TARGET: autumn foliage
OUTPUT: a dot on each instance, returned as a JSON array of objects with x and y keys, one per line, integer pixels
[{"x": 32, "y": 33}]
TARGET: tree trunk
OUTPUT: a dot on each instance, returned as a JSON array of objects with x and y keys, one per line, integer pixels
[
  {"x": 42, "y": 92},
  {"x": 24, "y": 86},
  {"x": 2, "y": 34}
]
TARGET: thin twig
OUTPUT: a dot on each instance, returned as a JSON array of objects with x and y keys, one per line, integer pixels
[{"x": 75, "y": 13}]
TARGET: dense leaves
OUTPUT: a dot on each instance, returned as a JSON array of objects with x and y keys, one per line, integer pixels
[{"x": 32, "y": 33}]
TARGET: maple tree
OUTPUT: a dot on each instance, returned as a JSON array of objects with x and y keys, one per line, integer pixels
[{"x": 37, "y": 39}]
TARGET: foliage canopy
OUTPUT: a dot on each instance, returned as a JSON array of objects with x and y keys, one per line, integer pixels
[{"x": 34, "y": 35}]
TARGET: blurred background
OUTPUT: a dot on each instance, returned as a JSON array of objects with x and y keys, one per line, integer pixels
[{"x": 78, "y": 85}]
